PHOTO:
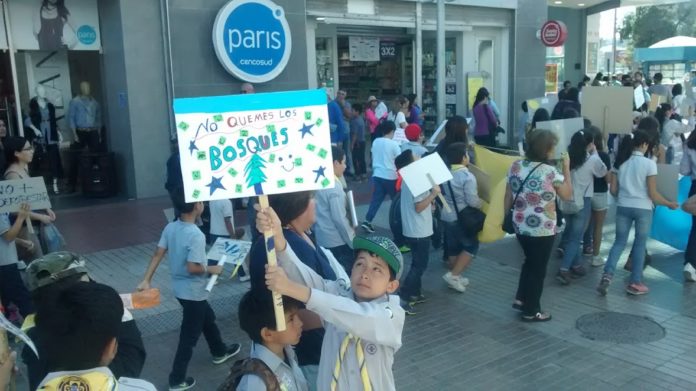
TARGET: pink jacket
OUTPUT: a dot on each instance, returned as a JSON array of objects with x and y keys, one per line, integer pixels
[{"x": 372, "y": 120}]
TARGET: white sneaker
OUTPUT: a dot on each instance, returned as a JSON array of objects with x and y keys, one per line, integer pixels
[
  {"x": 689, "y": 273},
  {"x": 21, "y": 265},
  {"x": 244, "y": 278},
  {"x": 455, "y": 282},
  {"x": 597, "y": 261}
]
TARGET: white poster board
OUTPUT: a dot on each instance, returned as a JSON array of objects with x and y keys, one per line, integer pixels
[
  {"x": 609, "y": 108},
  {"x": 668, "y": 181},
  {"x": 363, "y": 48},
  {"x": 254, "y": 144},
  {"x": 638, "y": 97},
  {"x": 15, "y": 192},
  {"x": 80, "y": 26},
  {"x": 415, "y": 175},
  {"x": 564, "y": 129},
  {"x": 235, "y": 250}
]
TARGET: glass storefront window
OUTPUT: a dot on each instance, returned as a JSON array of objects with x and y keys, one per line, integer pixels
[
  {"x": 429, "y": 98},
  {"x": 325, "y": 69}
]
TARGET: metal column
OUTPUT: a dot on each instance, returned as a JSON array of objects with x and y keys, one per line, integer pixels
[
  {"x": 418, "y": 54},
  {"x": 440, "y": 61}
]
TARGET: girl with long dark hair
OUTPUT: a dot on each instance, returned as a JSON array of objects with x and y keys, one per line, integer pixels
[
  {"x": 600, "y": 203},
  {"x": 634, "y": 184},
  {"x": 585, "y": 165},
  {"x": 486, "y": 122}
]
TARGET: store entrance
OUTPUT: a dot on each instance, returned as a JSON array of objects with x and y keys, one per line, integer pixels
[{"x": 382, "y": 67}]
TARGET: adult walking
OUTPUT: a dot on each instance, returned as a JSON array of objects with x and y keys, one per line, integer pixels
[
  {"x": 486, "y": 122},
  {"x": 533, "y": 185}
]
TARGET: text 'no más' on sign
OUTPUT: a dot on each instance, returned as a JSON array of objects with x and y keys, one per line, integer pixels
[
  {"x": 14, "y": 193},
  {"x": 257, "y": 144}
]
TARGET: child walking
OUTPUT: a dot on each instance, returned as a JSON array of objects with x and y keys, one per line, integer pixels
[
  {"x": 634, "y": 184},
  {"x": 417, "y": 228},
  {"x": 461, "y": 191},
  {"x": 363, "y": 319},
  {"x": 185, "y": 243}
]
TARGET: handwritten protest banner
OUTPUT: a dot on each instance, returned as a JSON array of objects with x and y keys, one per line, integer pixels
[
  {"x": 235, "y": 250},
  {"x": 15, "y": 192},
  {"x": 610, "y": 109},
  {"x": 256, "y": 144}
]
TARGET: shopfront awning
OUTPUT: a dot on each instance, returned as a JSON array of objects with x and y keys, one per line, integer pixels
[{"x": 678, "y": 49}]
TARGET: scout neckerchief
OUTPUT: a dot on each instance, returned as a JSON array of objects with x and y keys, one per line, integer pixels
[
  {"x": 360, "y": 353},
  {"x": 93, "y": 381}
]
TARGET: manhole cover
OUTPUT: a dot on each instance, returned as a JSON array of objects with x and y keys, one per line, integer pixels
[{"x": 619, "y": 328}]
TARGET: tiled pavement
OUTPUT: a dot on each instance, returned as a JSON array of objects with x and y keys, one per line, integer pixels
[{"x": 470, "y": 341}]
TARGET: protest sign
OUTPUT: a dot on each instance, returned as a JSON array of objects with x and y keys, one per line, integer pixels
[
  {"x": 668, "y": 181},
  {"x": 545, "y": 102},
  {"x": 564, "y": 129},
  {"x": 609, "y": 108},
  {"x": 421, "y": 175},
  {"x": 400, "y": 136},
  {"x": 15, "y": 192},
  {"x": 638, "y": 97},
  {"x": 254, "y": 144},
  {"x": 235, "y": 250}
]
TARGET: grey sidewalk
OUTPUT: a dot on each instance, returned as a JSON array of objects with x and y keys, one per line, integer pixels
[{"x": 474, "y": 340}]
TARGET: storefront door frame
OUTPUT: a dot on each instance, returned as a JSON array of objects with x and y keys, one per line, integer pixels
[{"x": 13, "y": 66}]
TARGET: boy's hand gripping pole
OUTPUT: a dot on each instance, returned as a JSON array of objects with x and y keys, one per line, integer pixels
[{"x": 271, "y": 257}]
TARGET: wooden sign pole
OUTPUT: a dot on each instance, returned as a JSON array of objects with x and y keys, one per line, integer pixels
[
  {"x": 440, "y": 196},
  {"x": 272, "y": 261}
]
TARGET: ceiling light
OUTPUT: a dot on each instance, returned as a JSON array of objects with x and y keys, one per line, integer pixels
[
  {"x": 321, "y": 19},
  {"x": 558, "y": 2},
  {"x": 581, "y": 5}
]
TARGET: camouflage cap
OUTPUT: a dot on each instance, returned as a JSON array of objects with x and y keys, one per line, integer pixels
[
  {"x": 54, "y": 267},
  {"x": 384, "y": 248}
]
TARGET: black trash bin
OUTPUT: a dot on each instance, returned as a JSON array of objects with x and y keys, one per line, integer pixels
[{"x": 98, "y": 174}]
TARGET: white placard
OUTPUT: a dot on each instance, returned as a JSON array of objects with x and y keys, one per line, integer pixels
[
  {"x": 638, "y": 97},
  {"x": 234, "y": 250},
  {"x": 363, "y": 48},
  {"x": 15, "y": 192},
  {"x": 668, "y": 181},
  {"x": 564, "y": 129},
  {"x": 415, "y": 175},
  {"x": 609, "y": 108}
]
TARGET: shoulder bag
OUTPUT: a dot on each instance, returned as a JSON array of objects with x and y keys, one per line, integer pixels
[
  {"x": 508, "y": 226},
  {"x": 470, "y": 219}
]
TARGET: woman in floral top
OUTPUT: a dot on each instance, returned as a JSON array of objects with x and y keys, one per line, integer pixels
[{"x": 534, "y": 216}]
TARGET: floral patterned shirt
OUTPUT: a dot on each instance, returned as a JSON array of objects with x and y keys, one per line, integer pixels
[{"x": 534, "y": 211}]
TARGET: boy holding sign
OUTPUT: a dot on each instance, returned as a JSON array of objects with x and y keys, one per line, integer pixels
[
  {"x": 363, "y": 321},
  {"x": 188, "y": 265},
  {"x": 12, "y": 287}
]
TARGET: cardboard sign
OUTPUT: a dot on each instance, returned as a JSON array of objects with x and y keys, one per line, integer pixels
[
  {"x": 564, "y": 129},
  {"x": 234, "y": 250},
  {"x": 15, "y": 192},
  {"x": 254, "y": 144},
  {"x": 545, "y": 102},
  {"x": 655, "y": 100},
  {"x": 483, "y": 183},
  {"x": 609, "y": 108},
  {"x": 668, "y": 181},
  {"x": 415, "y": 175}
]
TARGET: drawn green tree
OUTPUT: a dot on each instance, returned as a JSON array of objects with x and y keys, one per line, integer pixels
[{"x": 253, "y": 172}]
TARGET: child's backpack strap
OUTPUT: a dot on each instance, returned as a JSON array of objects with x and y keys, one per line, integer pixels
[{"x": 250, "y": 366}]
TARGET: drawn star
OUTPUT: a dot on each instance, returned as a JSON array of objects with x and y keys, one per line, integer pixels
[
  {"x": 320, "y": 173},
  {"x": 306, "y": 129},
  {"x": 215, "y": 183},
  {"x": 192, "y": 146}
]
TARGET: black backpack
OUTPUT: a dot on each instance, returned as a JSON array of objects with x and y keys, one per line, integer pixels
[{"x": 250, "y": 366}]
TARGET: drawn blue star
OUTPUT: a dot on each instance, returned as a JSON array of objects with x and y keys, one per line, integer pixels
[
  {"x": 192, "y": 146},
  {"x": 306, "y": 129},
  {"x": 215, "y": 183},
  {"x": 320, "y": 173}
]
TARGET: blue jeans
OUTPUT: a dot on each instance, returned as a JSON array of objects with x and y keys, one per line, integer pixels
[
  {"x": 625, "y": 217},
  {"x": 420, "y": 252},
  {"x": 380, "y": 188},
  {"x": 572, "y": 236}
]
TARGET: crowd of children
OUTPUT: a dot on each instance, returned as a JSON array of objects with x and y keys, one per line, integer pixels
[{"x": 345, "y": 294}]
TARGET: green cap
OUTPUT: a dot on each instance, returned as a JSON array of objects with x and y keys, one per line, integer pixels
[
  {"x": 54, "y": 267},
  {"x": 384, "y": 248}
]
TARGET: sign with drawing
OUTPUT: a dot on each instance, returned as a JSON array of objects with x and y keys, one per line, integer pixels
[
  {"x": 235, "y": 250},
  {"x": 249, "y": 145}
]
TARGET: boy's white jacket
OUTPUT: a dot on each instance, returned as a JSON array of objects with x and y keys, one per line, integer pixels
[{"x": 379, "y": 323}]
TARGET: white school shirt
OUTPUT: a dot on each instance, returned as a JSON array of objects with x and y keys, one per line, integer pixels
[
  {"x": 416, "y": 225},
  {"x": 219, "y": 209},
  {"x": 398, "y": 119},
  {"x": 633, "y": 182},
  {"x": 379, "y": 323},
  {"x": 384, "y": 151},
  {"x": 583, "y": 176}
]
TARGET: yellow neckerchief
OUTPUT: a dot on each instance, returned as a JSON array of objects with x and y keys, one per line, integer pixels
[
  {"x": 455, "y": 167},
  {"x": 92, "y": 381},
  {"x": 29, "y": 322},
  {"x": 360, "y": 353}
]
